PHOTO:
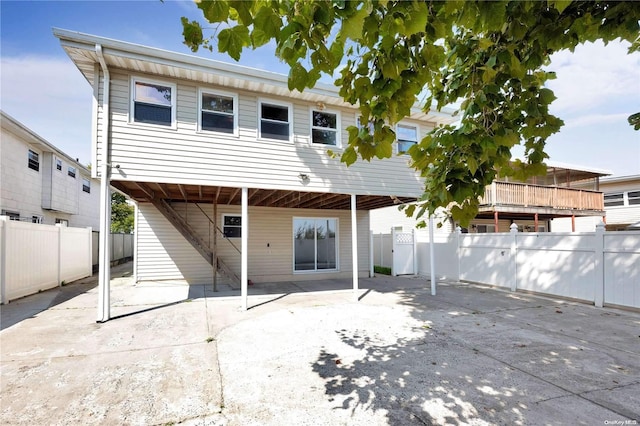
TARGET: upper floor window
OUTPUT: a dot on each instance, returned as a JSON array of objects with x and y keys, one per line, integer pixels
[
  {"x": 12, "y": 215},
  {"x": 275, "y": 121},
  {"x": 325, "y": 128},
  {"x": 633, "y": 197},
  {"x": 219, "y": 112},
  {"x": 34, "y": 161},
  {"x": 614, "y": 199},
  {"x": 58, "y": 164},
  {"x": 86, "y": 185},
  {"x": 407, "y": 136},
  {"x": 153, "y": 102},
  {"x": 359, "y": 125},
  {"x": 71, "y": 171}
]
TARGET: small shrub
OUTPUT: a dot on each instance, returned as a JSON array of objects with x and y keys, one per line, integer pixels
[{"x": 381, "y": 270}]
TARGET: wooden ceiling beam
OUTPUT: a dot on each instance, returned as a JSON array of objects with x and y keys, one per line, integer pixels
[
  {"x": 267, "y": 194},
  {"x": 279, "y": 195},
  {"x": 322, "y": 200},
  {"x": 144, "y": 188},
  {"x": 233, "y": 195},
  {"x": 163, "y": 189},
  {"x": 183, "y": 192}
]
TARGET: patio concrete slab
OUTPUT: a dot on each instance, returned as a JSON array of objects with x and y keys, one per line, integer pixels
[{"x": 308, "y": 353}]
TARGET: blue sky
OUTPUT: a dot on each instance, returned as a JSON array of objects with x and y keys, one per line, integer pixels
[{"x": 598, "y": 87}]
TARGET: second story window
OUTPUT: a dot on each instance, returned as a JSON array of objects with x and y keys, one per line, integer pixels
[
  {"x": 34, "y": 161},
  {"x": 407, "y": 136},
  {"x": 71, "y": 171},
  {"x": 633, "y": 197},
  {"x": 275, "y": 121},
  {"x": 86, "y": 185},
  {"x": 614, "y": 199},
  {"x": 153, "y": 103},
  {"x": 58, "y": 164},
  {"x": 325, "y": 128},
  {"x": 218, "y": 112}
]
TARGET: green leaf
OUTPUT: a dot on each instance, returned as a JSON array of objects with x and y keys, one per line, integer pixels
[
  {"x": 416, "y": 21},
  {"x": 547, "y": 96},
  {"x": 192, "y": 33},
  {"x": 559, "y": 5},
  {"x": 352, "y": 26},
  {"x": 298, "y": 77},
  {"x": 232, "y": 40},
  {"x": 349, "y": 156},
  {"x": 214, "y": 11}
]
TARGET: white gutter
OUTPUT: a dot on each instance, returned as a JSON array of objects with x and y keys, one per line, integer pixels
[{"x": 104, "y": 271}]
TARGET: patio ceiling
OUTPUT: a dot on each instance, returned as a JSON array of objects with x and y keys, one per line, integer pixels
[{"x": 146, "y": 191}]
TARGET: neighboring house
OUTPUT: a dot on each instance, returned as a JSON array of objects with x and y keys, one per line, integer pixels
[
  {"x": 532, "y": 205},
  {"x": 202, "y": 145},
  {"x": 621, "y": 203},
  {"x": 41, "y": 184}
]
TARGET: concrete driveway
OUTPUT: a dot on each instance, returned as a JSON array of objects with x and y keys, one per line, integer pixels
[{"x": 178, "y": 355}]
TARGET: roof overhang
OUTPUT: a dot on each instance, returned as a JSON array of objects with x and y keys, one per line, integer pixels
[{"x": 149, "y": 60}]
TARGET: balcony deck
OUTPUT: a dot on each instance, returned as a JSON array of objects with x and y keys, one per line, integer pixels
[{"x": 553, "y": 200}]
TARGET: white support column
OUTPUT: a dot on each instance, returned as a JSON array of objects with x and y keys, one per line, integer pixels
[
  {"x": 3, "y": 259},
  {"x": 371, "y": 257},
  {"x": 104, "y": 271},
  {"x": 415, "y": 252},
  {"x": 432, "y": 257},
  {"x": 354, "y": 246},
  {"x": 459, "y": 252},
  {"x": 513, "y": 229},
  {"x": 598, "y": 269},
  {"x": 244, "y": 248}
]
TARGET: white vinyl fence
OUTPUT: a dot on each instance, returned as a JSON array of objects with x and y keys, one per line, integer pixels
[
  {"x": 35, "y": 257},
  {"x": 599, "y": 267},
  {"x": 121, "y": 247}
]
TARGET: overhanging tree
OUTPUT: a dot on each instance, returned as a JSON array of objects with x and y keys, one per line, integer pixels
[
  {"x": 122, "y": 219},
  {"x": 488, "y": 56}
]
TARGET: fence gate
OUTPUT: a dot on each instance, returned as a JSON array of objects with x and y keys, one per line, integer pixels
[{"x": 403, "y": 253}]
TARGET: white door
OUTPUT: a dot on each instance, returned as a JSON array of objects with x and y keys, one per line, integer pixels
[{"x": 403, "y": 253}]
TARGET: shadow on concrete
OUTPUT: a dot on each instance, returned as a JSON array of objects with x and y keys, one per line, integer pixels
[{"x": 29, "y": 306}]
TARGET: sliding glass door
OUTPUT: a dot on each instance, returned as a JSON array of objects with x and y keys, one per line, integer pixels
[{"x": 314, "y": 244}]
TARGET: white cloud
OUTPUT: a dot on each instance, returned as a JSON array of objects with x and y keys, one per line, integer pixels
[
  {"x": 52, "y": 98},
  {"x": 593, "y": 76},
  {"x": 596, "y": 119}
]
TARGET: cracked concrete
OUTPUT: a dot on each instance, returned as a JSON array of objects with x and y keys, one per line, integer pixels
[{"x": 175, "y": 354}]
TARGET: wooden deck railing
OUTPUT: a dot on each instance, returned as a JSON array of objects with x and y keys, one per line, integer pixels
[{"x": 520, "y": 194}]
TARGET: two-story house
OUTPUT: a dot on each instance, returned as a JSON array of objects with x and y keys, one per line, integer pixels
[
  {"x": 230, "y": 169},
  {"x": 39, "y": 183},
  {"x": 621, "y": 203}
]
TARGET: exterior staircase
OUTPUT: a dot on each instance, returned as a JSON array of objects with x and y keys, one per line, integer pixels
[{"x": 198, "y": 243}]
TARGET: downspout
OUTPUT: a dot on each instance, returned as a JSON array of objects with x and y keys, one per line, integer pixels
[{"x": 104, "y": 271}]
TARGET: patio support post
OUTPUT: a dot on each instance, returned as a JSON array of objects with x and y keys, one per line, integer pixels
[
  {"x": 354, "y": 246},
  {"x": 104, "y": 271},
  {"x": 432, "y": 256},
  {"x": 244, "y": 275},
  {"x": 215, "y": 244},
  {"x": 459, "y": 252},
  {"x": 535, "y": 222},
  {"x": 371, "y": 259},
  {"x": 495, "y": 220},
  {"x": 573, "y": 223}
]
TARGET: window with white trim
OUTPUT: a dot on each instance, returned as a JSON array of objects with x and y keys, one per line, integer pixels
[
  {"x": 152, "y": 102},
  {"x": 614, "y": 199},
  {"x": 359, "y": 125},
  {"x": 407, "y": 136},
  {"x": 86, "y": 185},
  {"x": 219, "y": 112},
  {"x": 315, "y": 244},
  {"x": 58, "y": 164},
  {"x": 71, "y": 171},
  {"x": 34, "y": 161},
  {"x": 484, "y": 228},
  {"x": 633, "y": 197},
  {"x": 275, "y": 120},
  {"x": 10, "y": 214},
  {"x": 232, "y": 226},
  {"x": 325, "y": 128}
]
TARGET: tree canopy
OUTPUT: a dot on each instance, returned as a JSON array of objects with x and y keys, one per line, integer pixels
[
  {"x": 122, "y": 219},
  {"x": 488, "y": 58}
]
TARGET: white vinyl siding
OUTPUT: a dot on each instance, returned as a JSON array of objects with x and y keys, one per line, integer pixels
[
  {"x": 270, "y": 244},
  {"x": 185, "y": 155}
]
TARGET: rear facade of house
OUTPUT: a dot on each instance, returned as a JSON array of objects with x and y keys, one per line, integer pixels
[{"x": 215, "y": 154}]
